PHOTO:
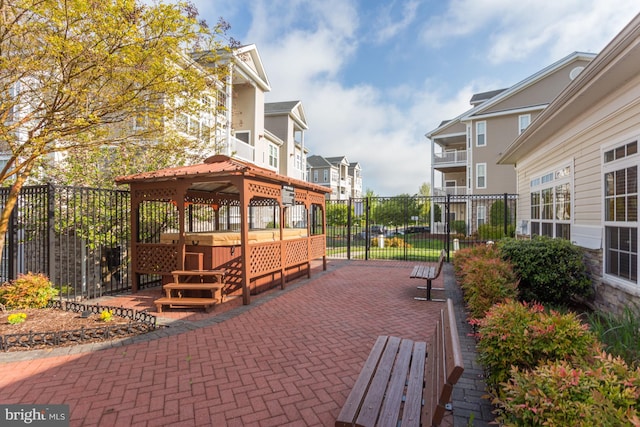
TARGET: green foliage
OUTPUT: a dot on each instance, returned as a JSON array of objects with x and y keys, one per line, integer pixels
[
  {"x": 605, "y": 393},
  {"x": 495, "y": 232},
  {"x": 462, "y": 256},
  {"x": 337, "y": 214},
  {"x": 16, "y": 318},
  {"x": 497, "y": 212},
  {"x": 459, "y": 227},
  {"x": 485, "y": 282},
  {"x": 523, "y": 335},
  {"x": 550, "y": 270},
  {"x": 396, "y": 242},
  {"x": 620, "y": 334},
  {"x": 27, "y": 291},
  {"x": 395, "y": 211}
]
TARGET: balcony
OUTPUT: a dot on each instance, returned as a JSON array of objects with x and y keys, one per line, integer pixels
[
  {"x": 449, "y": 191},
  {"x": 241, "y": 150},
  {"x": 450, "y": 158}
]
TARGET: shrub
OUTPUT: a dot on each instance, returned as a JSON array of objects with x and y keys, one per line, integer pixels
[
  {"x": 607, "y": 393},
  {"x": 27, "y": 291},
  {"x": 485, "y": 282},
  {"x": 463, "y": 256},
  {"x": 495, "y": 232},
  {"x": 550, "y": 270},
  {"x": 620, "y": 334},
  {"x": 459, "y": 227},
  {"x": 395, "y": 242},
  {"x": 522, "y": 335}
]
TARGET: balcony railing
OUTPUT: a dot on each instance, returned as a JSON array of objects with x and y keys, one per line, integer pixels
[
  {"x": 452, "y": 157},
  {"x": 241, "y": 150},
  {"x": 452, "y": 191}
]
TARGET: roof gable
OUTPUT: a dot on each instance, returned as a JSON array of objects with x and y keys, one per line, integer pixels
[{"x": 536, "y": 90}]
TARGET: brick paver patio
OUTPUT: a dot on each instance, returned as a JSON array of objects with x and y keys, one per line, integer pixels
[{"x": 288, "y": 359}]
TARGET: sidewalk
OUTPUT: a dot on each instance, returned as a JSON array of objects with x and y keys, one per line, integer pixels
[{"x": 288, "y": 359}]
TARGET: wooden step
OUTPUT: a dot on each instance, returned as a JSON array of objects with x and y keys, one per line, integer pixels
[
  {"x": 207, "y": 303},
  {"x": 213, "y": 287}
]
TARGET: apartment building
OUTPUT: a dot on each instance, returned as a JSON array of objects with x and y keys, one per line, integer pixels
[
  {"x": 465, "y": 150},
  {"x": 343, "y": 177},
  {"x": 287, "y": 121},
  {"x": 270, "y": 135}
]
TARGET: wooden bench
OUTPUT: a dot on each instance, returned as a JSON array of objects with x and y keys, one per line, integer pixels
[
  {"x": 194, "y": 282},
  {"x": 430, "y": 273},
  {"x": 407, "y": 383}
]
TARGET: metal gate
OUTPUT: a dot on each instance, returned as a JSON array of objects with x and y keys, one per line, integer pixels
[
  {"x": 79, "y": 237},
  {"x": 416, "y": 228}
]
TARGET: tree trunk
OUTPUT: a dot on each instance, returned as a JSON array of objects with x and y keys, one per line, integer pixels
[{"x": 10, "y": 204}]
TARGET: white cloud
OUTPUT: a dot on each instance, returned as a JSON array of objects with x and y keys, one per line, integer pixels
[
  {"x": 386, "y": 27},
  {"x": 513, "y": 30}
]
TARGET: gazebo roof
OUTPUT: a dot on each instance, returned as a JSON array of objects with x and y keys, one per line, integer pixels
[{"x": 214, "y": 172}]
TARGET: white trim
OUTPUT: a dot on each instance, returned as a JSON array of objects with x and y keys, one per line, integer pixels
[
  {"x": 520, "y": 117},
  {"x": 505, "y": 113}
]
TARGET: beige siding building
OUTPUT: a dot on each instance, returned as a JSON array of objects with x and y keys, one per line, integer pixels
[{"x": 577, "y": 168}]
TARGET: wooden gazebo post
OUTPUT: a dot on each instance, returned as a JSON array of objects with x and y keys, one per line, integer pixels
[{"x": 245, "y": 198}]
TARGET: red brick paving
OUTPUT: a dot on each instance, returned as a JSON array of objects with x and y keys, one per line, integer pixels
[{"x": 288, "y": 361}]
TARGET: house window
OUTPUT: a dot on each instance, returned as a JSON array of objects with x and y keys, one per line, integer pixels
[
  {"x": 621, "y": 211},
  {"x": 315, "y": 176},
  {"x": 273, "y": 156},
  {"x": 523, "y": 122},
  {"x": 481, "y": 134},
  {"x": 551, "y": 204},
  {"x": 481, "y": 175},
  {"x": 243, "y": 136},
  {"x": 482, "y": 215}
]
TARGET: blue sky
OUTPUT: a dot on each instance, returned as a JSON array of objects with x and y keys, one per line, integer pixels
[{"x": 375, "y": 76}]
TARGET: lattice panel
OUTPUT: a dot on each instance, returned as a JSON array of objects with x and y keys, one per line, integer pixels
[
  {"x": 318, "y": 199},
  {"x": 296, "y": 251},
  {"x": 318, "y": 246},
  {"x": 152, "y": 259},
  {"x": 264, "y": 258},
  {"x": 155, "y": 194},
  {"x": 301, "y": 196},
  {"x": 265, "y": 191}
]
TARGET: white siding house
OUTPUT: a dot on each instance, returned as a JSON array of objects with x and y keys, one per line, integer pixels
[{"x": 577, "y": 168}]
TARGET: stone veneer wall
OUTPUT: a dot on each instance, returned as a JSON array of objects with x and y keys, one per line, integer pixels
[{"x": 608, "y": 298}]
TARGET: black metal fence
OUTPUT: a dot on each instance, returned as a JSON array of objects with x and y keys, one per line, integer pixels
[
  {"x": 416, "y": 228},
  {"x": 80, "y": 237}
]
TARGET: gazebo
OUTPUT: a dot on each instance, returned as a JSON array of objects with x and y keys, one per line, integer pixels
[{"x": 262, "y": 228}]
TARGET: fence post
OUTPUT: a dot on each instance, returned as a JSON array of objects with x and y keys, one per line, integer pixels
[
  {"x": 12, "y": 258},
  {"x": 367, "y": 242},
  {"x": 50, "y": 235},
  {"x": 447, "y": 214},
  {"x": 349, "y": 219},
  {"x": 506, "y": 215}
]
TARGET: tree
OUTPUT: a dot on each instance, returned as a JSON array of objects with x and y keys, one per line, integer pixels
[{"x": 76, "y": 75}]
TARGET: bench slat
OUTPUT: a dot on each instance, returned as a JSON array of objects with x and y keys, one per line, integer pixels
[
  {"x": 395, "y": 389},
  {"x": 371, "y": 405},
  {"x": 415, "y": 387},
  {"x": 352, "y": 405},
  {"x": 454, "y": 362}
]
